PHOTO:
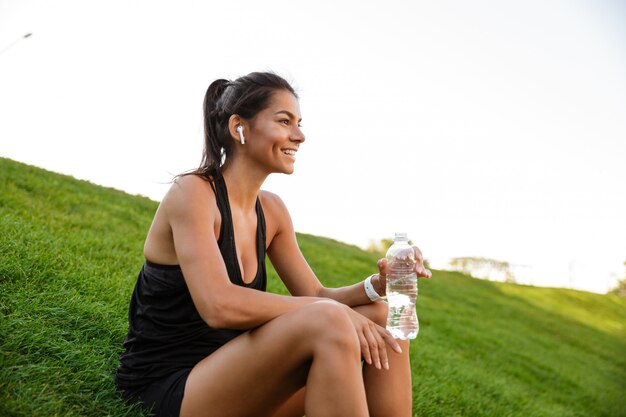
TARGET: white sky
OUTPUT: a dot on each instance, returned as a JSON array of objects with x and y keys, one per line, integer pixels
[{"x": 482, "y": 128}]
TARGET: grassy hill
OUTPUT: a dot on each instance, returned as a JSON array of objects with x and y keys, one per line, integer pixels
[{"x": 70, "y": 252}]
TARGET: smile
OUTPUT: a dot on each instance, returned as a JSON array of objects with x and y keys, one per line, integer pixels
[{"x": 290, "y": 152}]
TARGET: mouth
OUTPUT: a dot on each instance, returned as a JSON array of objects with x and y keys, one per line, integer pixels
[{"x": 290, "y": 152}]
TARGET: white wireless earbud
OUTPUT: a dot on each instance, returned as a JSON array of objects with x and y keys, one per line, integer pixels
[{"x": 241, "y": 138}]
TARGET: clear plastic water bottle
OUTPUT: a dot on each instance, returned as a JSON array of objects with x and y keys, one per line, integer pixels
[{"x": 401, "y": 289}]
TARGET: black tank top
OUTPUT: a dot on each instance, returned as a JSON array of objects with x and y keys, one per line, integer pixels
[{"x": 165, "y": 330}]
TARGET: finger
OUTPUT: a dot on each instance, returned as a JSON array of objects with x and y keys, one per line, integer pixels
[
  {"x": 420, "y": 269},
  {"x": 365, "y": 348},
  {"x": 388, "y": 338},
  {"x": 383, "y": 269},
  {"x": 382, "y": 346},
  {"x": 423, "y": 272},
  {"x": 375, "y": 344},
  {"x": 418, "y": 255},
  {"x": 383, "y": 266}
]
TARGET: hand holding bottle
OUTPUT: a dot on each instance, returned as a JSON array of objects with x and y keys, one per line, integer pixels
[
  {"x": 380, "y": 282},
  {"x": 404, "y": 263}
]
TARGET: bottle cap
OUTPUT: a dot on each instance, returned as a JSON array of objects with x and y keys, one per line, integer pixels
[{"x": 401, "y": 236}]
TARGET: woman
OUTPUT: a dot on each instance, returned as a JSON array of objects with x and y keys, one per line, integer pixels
[{"x": 204, "y": 338}]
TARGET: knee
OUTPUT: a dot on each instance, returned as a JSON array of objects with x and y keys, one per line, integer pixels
[
  {"x": 377, "y": 312},
  {"x": 329, "y": 324}
]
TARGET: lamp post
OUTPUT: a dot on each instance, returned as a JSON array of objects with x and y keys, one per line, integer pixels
[{"x": 28, "y": 35}]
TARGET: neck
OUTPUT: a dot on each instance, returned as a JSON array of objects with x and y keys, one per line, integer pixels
[{"x": 243, "y": 183}]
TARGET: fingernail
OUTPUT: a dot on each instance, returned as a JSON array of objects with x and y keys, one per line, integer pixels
[
  {"x": 398, "y": 349},
  {"x": 386, "y": 365}
]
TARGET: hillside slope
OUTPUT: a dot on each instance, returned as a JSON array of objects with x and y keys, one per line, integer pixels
[{"x": 70, "y": 252}]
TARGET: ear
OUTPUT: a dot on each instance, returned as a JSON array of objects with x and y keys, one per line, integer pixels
[{"x": 233, "y": 122}]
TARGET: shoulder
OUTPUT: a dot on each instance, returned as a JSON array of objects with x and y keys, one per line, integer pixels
[
  {"x": 276, "y": 213},
  {"x": 271, "y": 201},
  {"x": 189, "y": 193},
  {"x": 189, "y": 185},
  {"x": 274, "y": 207}
]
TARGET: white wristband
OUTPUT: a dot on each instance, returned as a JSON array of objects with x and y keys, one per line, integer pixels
[{"x": 370, "y": 291}]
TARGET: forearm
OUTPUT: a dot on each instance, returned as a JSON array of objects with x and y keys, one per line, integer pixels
[
  {"x": 353, "y": 295},
  {"x": 243, "y": 308}
]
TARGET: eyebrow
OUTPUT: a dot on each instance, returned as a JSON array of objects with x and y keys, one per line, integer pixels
[{"x": 288, "y": 113}]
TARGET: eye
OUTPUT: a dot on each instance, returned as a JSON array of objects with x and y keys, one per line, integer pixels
[{"x": 285, "y": 121}]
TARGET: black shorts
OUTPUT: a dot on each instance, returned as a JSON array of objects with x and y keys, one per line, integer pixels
[{"x": 163, "y": 397}]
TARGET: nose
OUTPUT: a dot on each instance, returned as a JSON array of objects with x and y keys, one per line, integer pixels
[{"x": 297, "y": 135}]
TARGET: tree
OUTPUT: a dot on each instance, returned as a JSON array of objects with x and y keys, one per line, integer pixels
[
  {"x": 379, "y": 247},
  {"x": 484, "y": 268},
  {"x": 620, "y": 288}
]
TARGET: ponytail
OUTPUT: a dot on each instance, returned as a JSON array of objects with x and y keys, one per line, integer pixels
[{"x": 216, "y": 143}]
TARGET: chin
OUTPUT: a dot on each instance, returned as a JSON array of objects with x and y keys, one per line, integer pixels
[{"x": 288, "y": 170}]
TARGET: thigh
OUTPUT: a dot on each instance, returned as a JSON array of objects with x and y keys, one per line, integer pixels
[
  {"x": 294, "y": 407},
  {"x": 257, "y": 372}
]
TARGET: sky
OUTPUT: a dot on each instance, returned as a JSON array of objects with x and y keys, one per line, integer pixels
[{"x": 482, "y": 128}]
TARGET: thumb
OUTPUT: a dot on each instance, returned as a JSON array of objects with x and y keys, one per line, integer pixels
[{"x": 383, "y": 267}]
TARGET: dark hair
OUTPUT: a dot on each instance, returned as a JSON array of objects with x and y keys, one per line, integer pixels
[{"x": 246, "y": 96}]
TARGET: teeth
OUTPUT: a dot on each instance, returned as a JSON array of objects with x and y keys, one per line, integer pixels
[{"x": 289, "y": 152}]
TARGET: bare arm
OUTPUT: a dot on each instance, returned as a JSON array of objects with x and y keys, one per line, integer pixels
[
  {"x": 219, "y": 302},
  {"x": 298, "y": 276},
  {"x": 293, "y": 268},
  {"x": 300, "y": 280}
]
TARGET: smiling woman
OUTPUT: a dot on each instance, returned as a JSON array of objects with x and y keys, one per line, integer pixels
[
  {"x": 277, "y": 134},
  {"x": 202, "y": 329}
]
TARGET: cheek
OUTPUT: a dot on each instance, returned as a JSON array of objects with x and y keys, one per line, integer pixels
[
  {"x": 266, "y": 134},
  {"x": 275, "y": 140}
]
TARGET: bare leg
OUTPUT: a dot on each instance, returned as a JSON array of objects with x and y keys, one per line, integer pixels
[
  {"x": 261, "y": 370},
  {"x": 294, "y": 407},
  {"x": 389, "y": 393}
]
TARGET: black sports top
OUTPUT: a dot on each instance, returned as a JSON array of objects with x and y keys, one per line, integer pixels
[{"x": 165, "y": 331}]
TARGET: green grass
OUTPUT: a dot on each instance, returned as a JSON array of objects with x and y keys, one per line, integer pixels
[{"x": 70, "y": 252}]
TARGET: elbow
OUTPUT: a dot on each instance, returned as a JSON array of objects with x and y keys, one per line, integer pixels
[
  {"x": 218, "y": 313},
  {"x": 213, "y": 321},
  {"x": 213, "y": 315},
  {"x": 323, "y": 292}
]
